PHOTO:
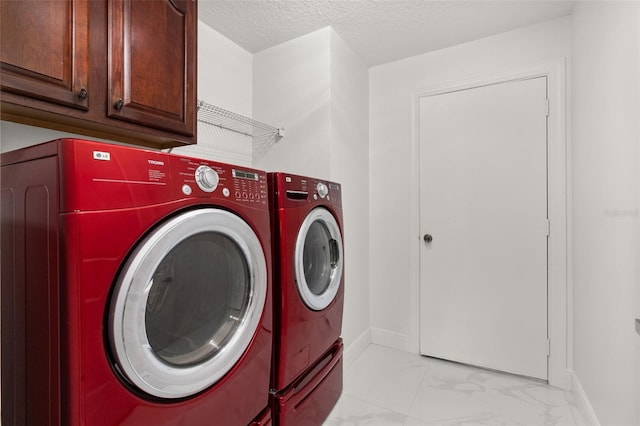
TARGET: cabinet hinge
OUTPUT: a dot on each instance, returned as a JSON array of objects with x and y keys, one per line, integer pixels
[
  {"x": 547, "y": 107},
  {"x": 548, "y": 347},
  {"x": 548, "y": 227}
]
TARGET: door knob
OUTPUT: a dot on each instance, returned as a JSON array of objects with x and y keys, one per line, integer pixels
[{"x": 428, "y": 238}]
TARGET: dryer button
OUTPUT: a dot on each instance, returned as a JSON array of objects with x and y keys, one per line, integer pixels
[{"x": 186, "y": 189}]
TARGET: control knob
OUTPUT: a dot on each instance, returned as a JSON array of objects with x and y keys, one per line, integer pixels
[
  {"x": 207, "y": 178},
  {"x": 322, "y": 189}
]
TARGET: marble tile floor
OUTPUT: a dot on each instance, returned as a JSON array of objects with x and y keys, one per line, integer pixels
[{"x": 387, "y": 387}]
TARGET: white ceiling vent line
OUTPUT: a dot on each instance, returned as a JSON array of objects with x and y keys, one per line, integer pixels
[{"x": 263, "y": 135}]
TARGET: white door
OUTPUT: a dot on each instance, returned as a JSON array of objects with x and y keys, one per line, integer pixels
[{"x": 483, "y": 206}]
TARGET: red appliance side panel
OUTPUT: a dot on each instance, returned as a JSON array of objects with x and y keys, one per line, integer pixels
[
  {"x": 30, "y": 293},
  {"x": 310, "y": 400}
]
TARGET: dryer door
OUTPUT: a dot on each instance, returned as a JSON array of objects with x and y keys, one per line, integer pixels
[
  {"x": 187, "y": 303},
  {"x": 318, "y": 259}
]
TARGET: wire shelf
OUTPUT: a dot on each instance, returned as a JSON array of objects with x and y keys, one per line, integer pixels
[{"x": 263, "y": 136}]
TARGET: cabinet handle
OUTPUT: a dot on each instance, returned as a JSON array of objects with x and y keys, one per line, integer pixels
[
  {"x": 119, "y": 105},
  {"x": 83, "y": 93}
]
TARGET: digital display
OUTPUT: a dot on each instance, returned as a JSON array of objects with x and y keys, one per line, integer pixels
[{"x": 245, "y": 175}]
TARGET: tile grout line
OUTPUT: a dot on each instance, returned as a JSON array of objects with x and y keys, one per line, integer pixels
[{"x": 422, "y": 380}]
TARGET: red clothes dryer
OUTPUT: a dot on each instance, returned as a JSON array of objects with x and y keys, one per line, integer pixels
[
  {"x": 306, "y": 216},
  {"x": 135, "y": 288}
]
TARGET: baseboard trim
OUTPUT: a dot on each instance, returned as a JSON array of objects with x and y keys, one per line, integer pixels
[
  {"x": 390, "y": 339},
  {"x": 583, "y": 401},
  {"x": 355, "y": 348}
]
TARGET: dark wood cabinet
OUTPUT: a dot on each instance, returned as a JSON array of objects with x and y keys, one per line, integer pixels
[
  {"x": 116, "y": 69},
  {"x": 45, "y": 50},
  {"x": 150, "y": 50}
]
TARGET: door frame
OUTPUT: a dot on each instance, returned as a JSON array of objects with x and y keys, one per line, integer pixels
[{"x": 559, "y": 290}]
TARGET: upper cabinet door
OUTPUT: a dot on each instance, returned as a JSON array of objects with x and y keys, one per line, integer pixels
[
  {"x": 44, "y": 49},
  {"x": 152, "y": 63}
]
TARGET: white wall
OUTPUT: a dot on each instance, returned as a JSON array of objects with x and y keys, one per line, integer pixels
[
  {"x": 317, "y": 88},
  {"x": 16, "y": 136},
  {"x": 606, "y": 80},
  {"x": 292, "y": 89},
  {"x": 350, "y": 166},
  {"x": 394, "y": 240}
]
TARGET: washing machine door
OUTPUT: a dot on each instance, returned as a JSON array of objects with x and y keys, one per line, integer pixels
[
  {"x": 187, "y": 303},
  {"x": 318, "y": 259}
]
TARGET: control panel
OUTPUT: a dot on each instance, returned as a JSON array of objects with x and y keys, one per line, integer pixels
[
  {"x": 299, "y": 188},
  {"x": 218, "y": 180}
]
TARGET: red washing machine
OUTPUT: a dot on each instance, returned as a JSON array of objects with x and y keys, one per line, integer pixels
[
  {"x": 306, "y": 377},
  {"x": 135, "y": 288}
]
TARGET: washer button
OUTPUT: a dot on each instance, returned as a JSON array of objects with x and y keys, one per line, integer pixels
[{"x": 186, "y": 189}]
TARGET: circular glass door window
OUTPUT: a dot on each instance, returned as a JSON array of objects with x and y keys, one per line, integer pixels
[
  {"x": 318, "y": 259},
  {"x": 188, "y": 303}
]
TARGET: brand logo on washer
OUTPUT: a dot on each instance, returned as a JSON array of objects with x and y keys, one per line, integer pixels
[
  {"x": 102, "y": 156},
  {"x": 156, "y": 162}
]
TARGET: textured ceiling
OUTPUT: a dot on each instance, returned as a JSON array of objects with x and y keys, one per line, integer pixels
[{"x": 380, "y": 31}]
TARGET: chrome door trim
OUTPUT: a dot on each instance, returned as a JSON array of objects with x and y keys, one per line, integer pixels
[
  {"x": 133, "y": 353},
  {"x": 321, "y": 301}
]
